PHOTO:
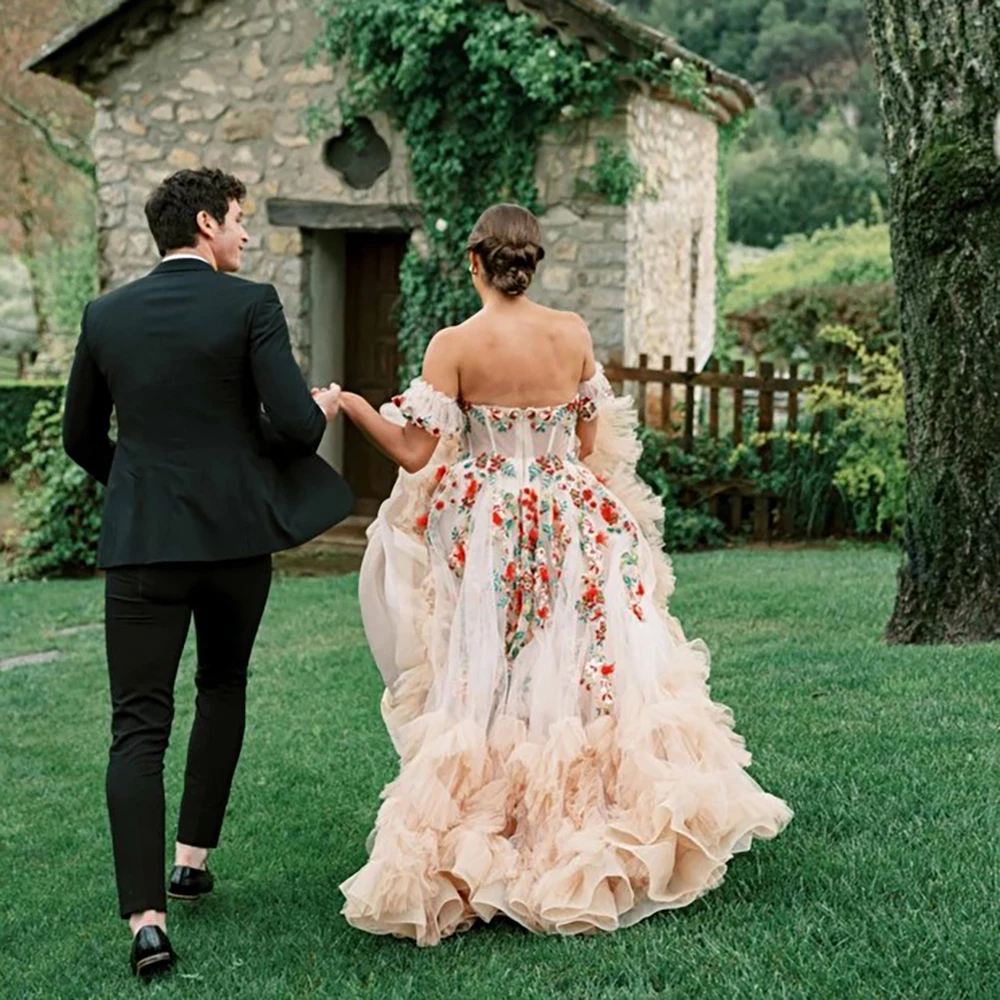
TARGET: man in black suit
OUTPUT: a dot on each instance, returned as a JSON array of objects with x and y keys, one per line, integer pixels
[{"x": 214, "y": 468}]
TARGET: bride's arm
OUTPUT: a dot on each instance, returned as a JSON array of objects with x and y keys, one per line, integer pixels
[{"x": 408, "y": 446}]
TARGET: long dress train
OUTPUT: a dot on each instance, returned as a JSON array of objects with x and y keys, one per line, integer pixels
[{"x": 561, "y": 760}]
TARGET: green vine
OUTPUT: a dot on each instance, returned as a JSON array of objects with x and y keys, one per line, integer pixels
[
  {"x": 687, "y": 83},
  {"x": 616, "y": 174},
  {"x": 473, "y": 88}
]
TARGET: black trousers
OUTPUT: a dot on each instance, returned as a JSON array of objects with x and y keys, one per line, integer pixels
[{"x": 148, "y": 612}]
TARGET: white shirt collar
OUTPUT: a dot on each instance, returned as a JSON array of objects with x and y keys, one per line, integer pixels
[{"x": 184, "y": 256}]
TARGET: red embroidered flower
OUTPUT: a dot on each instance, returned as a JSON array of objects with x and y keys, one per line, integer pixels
[
  {"x": 439, "y": 505},
  {"x": 422, "y": 521},
  {"x": 640, "y": 590},
  {"x": 439, "y": 473},
  {"x": 609, "y": 513},
  {"x": 591, "y": 595},
  {"x": 587, "y": 494},
  {"x": 601, "y": 538},
  {"x": 497, "y": 518},
  {"x": 511, "y": 571},
  {"x": 460, "y": 552},
  {"x": 543, "y": 613},
  {"x": 533, "y": 535},
  {"x": 543, "y": 572},
  {"x": 397, "y": 401},
  {"x": 608, "y": 669}
]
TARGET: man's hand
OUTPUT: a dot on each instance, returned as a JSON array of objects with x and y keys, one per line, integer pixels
[{"x": 328, "y": 400}]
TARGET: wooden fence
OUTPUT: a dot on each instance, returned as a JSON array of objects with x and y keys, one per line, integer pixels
[{"x": 675, "y": 412}]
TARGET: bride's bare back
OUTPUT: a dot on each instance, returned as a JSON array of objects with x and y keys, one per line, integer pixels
[{"x": 516, "y": 354}]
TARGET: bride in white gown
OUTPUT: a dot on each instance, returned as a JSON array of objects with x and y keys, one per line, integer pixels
[{"x": 561, "y": 760}]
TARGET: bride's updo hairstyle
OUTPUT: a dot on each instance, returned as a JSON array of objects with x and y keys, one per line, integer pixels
[{"x": 508, "y": 241}]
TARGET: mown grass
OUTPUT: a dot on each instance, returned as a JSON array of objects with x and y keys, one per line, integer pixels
[{"x": 885, "y": 885}]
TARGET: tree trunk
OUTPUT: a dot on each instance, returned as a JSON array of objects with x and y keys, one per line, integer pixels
[{"x": 938, "y": 64}]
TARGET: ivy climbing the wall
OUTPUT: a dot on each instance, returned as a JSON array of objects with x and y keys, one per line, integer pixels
[{"x": 473, "y": 88}]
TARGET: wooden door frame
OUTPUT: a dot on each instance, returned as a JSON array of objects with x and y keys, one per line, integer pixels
[{"x": 324, "y": 226}]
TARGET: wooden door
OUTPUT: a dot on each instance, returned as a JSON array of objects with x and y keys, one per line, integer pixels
[{"x": 371, "y": 353}]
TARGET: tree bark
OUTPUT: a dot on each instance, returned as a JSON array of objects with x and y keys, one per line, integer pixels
[{"x": 938, "y": 63}]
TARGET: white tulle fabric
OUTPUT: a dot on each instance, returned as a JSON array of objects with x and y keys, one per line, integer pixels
[{"x": 561, "y": 760}]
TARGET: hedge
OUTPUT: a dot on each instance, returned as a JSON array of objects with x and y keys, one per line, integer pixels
[
  {"x": 787, "y": 327},
  {"x": 17, "y": 401}
]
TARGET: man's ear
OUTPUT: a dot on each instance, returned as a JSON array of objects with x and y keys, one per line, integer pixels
[{"x": 206, "y": 224}]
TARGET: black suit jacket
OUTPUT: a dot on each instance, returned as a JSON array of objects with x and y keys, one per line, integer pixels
[{"x": 200, "y": 473}]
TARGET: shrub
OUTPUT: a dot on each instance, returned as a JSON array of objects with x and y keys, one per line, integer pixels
[
  {"x": 844, "y": 469},
  {"x": 17, "y": 401},
  {"x": 846, "y": 255},
  {"x": 57, "y": 505},
  {"x": 676, "y": 476},
  {"x": 788, "y": 327},
  {"x": 870, "y": 438}
]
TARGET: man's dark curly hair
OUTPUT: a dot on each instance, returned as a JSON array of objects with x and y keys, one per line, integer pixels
[{"x": 172, "y": 209}]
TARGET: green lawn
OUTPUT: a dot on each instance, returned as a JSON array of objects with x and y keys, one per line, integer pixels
[{"x": 887, "y": 883}]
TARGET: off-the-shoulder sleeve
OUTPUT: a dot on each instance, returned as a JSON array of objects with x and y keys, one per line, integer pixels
[
  {"x": 429, "y": 408},
  {"x": 592, "y": 391}
]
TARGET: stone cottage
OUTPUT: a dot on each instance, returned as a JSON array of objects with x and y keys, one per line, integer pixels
[{"x": 185, "y": 83}]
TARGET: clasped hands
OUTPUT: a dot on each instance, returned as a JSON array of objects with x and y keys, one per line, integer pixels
[{"x": 328, "y": 400}]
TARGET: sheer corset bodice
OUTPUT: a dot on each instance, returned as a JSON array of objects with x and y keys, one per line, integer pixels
[{"x": 521, "y": 434}]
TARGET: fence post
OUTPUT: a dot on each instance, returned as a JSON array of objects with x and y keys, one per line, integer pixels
[
  {"x": 738, "y": 405},
  {"x": 668, "y": 399},
  {"x": 713, "y": 401},
  {"x": 765, "y": 424},
  {"x": 689, "y": 406},
  {"x": 736, "y": 497},
  {"x": 788, "y": 507},
  {"x": 641, "y": 391},
  {"x": 713, "y": 426},
  {"x": 819, "y": 419}
]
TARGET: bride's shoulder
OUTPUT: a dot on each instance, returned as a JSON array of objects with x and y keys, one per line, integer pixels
[
  {"x": 445, "y": 343},
  {"x": 571, "y": 322}
]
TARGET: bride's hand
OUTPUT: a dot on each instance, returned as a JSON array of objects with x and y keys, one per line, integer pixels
[{"x": 328, "y": 400}]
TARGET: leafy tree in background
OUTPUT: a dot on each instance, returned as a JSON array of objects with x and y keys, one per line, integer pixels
[{"x": 813, "y": 64}]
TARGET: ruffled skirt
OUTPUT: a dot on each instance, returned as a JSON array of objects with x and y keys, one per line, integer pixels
[{"x": 532, "y": 806}]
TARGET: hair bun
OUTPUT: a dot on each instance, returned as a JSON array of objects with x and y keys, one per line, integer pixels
[
  {"x": 511, "y": 268},
  {"x": 507, "y": 240}
]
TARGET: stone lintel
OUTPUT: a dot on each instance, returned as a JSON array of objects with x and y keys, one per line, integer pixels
[{"x": 337, "y": 215}]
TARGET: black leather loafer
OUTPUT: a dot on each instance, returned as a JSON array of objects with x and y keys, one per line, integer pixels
[
  {"x": 189, "y": 883},
  {"x": 152, "y": 953}
]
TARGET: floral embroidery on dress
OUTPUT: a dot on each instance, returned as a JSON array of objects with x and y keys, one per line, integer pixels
[
  {"x": 591, "y": 392},
  {"x": 537, "y": 506}
]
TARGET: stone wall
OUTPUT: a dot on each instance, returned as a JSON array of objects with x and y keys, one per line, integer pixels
[
  {"x": 585, "y": 238},
  {"x": 670, "y": 271},
  {"x": 228, "y": 88}
]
